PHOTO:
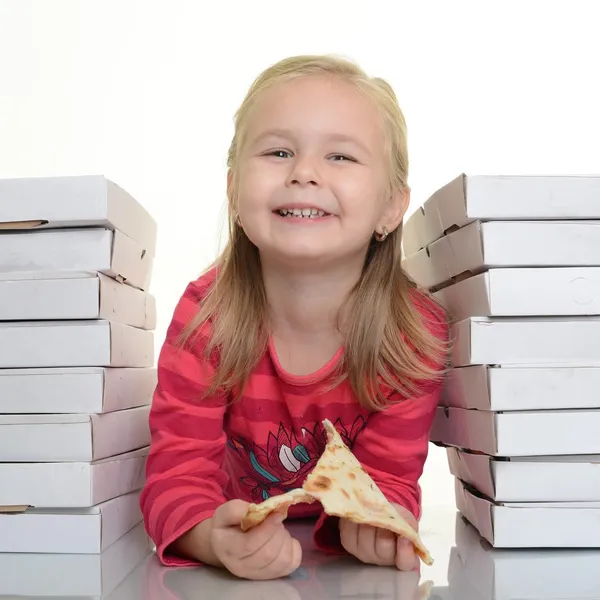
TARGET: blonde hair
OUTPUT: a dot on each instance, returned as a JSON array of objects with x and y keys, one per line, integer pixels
[{"x": 386, "y": 337}]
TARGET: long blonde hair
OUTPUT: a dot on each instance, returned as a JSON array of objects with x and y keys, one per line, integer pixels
[{"x": 386, "y": 337}]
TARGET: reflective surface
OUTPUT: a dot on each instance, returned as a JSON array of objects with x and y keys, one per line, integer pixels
[{"x": 465, "y": 568}]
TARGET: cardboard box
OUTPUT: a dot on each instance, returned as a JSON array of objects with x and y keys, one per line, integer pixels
[
  {"x": 531, "y": 524},
  {"x": 524, "y": 433},
  {"x": 83, "y": 576},
  {"x": 477, "y": 571},
  {"x": 501, "y": 198},
  {"x": 529, "y": 479},
  {"x": 76, "y": 201},
  {"x": 72, "y": 438},
  {"x": 75, "y": 296},
  {"x": 525, "y": 292},
  {"x": 547, "y": 341},
  {"x": 26, "y": 344},
  {"x": 502, "y": 388},
  {"x": 80, "y": 575},
  {"x": 76, "y": 250},
  {"x": 71, "y": 484},
  {"x": 81, "y": 390},
  {"x": 70, "y": 531},
  {"x": 497, "y": 244}
]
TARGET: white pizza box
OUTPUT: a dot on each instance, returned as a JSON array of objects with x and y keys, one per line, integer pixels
[
  {"x": 70, "y": 530},
  {"x": 80, "y": 390},
  {"x": 531, "y": 524},
  {"x": 71, "y": 484},
  {"x": 523, "y": 433},
  {"x": 525, "y": 292},
  {"x": 89, "y": 250},
  {"x": 529, "y": 479},
  {"x": 81, "y": 575},
  {"x": 41, "y": 344},
  {"x": 504, "y": 388},
  {"x": 70, "y": 296},
  {"x": 75, "y": 201},
  {"x": 497, "y": 244},
  {"x": 543, "y": 341},
  {"x": 477, "y": 571},
  {"x": 501, "y": 198},
  {"x": 72, "y": 438}
]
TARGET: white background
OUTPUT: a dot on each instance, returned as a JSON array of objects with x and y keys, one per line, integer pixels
[{"x": 144, "y": 92}]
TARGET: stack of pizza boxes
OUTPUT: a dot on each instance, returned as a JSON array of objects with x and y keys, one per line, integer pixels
[
  {"x": 477, "y": 571},
  {"x": 76, "y": 380},
  {"x": 516, "y": 261}
]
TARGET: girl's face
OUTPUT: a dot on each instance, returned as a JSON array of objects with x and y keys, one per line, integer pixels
[{"x": 313, "y": 173}]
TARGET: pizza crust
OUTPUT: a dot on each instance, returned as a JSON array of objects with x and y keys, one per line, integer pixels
[
  {"x": 345, "y": 490},
  {"x": 257, "y": 513}
]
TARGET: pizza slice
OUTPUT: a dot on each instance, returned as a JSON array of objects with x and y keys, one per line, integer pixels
[
  {"x": 257, "y": 513},
  {"x": 345, "y": 490}
]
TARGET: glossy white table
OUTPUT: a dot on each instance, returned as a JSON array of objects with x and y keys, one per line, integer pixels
[{"x": 465, "y": 569}]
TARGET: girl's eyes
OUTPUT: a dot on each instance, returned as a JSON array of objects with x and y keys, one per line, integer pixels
[
  {"x": 343, "y": 157},
  {"x": 285, "y": 154},
  {"x": 278, "y": 153}
]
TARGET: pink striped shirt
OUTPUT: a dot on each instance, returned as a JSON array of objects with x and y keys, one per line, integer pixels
[{"x": 203, "y": 453}]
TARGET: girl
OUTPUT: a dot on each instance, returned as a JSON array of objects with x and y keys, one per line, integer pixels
[{"x": 306, "y": 315}]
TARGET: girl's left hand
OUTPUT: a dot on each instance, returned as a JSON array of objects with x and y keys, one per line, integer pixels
[{"x": 376, "y": 546}]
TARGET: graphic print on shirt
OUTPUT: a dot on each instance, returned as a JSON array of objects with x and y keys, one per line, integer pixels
[{"x": 286, "y": 461}]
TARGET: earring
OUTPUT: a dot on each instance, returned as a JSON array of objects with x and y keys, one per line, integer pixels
[
  {"x": 237, "y": 220},
  {"x": 382, "y": 236}
]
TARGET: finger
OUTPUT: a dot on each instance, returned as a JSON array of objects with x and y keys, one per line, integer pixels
[
  {"x": 268, "y": 553},
  {"x": 255, "y": 539},
  {"x": 286, "y": 562},
  {"x": 385, "y": 546},
  {"x": 291, "y": 559},
  {"x": 231, "y": 513},
  {"x": 367, "y": 536},
  {"x": 406, "y": 559},
  {"x": 349, "y": 536}
]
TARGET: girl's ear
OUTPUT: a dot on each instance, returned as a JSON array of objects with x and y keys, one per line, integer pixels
[{"x": 395, "y": 209}]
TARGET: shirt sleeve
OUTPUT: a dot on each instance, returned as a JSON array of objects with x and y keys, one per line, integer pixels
[{"x": 184, "y": 480}]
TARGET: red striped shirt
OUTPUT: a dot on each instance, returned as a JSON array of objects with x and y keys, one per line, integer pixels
[{"x": 203, "y": 454}]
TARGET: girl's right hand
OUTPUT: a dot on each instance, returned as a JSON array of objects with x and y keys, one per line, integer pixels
[{"x": 267, "y": 551}]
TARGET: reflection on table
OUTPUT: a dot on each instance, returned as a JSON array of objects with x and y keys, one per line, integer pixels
[{"x": 128, "y": 570}]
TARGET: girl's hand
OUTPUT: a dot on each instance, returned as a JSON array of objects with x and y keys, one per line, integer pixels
[
  {"x": 267, "y": 551},
  {"x": 376, "y": 546}
]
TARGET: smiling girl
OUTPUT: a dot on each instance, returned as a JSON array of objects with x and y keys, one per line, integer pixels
[{"x": 307, "y": 315}]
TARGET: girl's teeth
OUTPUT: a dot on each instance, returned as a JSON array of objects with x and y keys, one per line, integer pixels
[{"x": 304, "y": 213}]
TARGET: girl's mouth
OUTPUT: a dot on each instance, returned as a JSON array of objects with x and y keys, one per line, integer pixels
[{"x": 301, "y": 213}]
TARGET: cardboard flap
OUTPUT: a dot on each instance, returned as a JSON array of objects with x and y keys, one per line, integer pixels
[
  {"x": 47, "y": 419},
  {"x": 140, "y": 453},
  {"x": 14, "y": 510},
  {"x": 474, "y": 469},
  {"x": 476, "y": 509},
  {"x": 19, "y": 225},
  {"x": 467, "y": 387}
]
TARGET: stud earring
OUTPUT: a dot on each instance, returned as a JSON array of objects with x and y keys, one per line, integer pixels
[{"x": 380, "y": 237}]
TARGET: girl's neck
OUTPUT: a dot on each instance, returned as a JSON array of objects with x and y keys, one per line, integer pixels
[{"x": 306, "y": 305}]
